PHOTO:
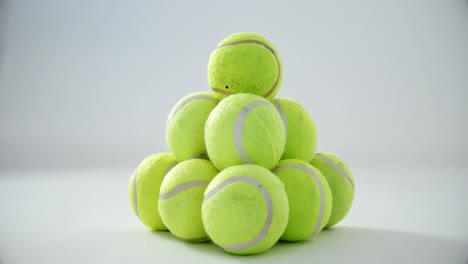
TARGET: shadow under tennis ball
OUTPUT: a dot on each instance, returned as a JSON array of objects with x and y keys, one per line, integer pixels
[{"x": 355, "y": 245}]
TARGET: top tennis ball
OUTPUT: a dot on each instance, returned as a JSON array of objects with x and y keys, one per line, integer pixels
[{"x": 245, "y": 62}]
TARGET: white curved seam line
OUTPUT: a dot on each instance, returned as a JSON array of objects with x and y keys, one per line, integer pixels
[
  {"x": 266, "y": 196},
  {"x": 207, "y": 123},
  {"x": 336, "y": 167},
  {"x": 183, "y": 187},
  {"x": 188, "y": 100},
  {"x": 321, "y": 191},
  {"x": 239, "y": 129},
  {"x": 283, "y": 115},
  {"x": 168, "y": 168}
]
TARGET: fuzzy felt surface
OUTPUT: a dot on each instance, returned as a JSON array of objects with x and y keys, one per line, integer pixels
[
  {"x": 305, "y": 216},
  {"x": 262, "y": 132},
  {"x": 185, "y": 125},
  {"x": 245, "y": 62},
  {"x": 184, "y": 187},
  {"x": 237, "y": 213},
  {"x": 342, "y": 189},
  {"x": 301, "y": 132},
  {"x": 149, "y": 175}
]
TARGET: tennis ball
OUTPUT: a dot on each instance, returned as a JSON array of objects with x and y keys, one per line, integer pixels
[
  {"x": 244, "y": 128},
  {"x": 181, "y": 196},
  {"x": 341, "y": 182},
  {"x": 185, "y": 125},
  {"x": 245, "y": 209},
  {"x": 301, "y": 133},
  {"x": 309, "y": 198},
  {"x": 143, "y": 188},
  {"x": 245, "y": 62}
]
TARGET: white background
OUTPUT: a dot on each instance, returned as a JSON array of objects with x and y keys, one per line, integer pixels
[{"x": 86, "y": 86}]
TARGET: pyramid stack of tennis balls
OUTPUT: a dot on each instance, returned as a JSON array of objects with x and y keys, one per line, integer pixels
[{"x": 242, "y": 169}]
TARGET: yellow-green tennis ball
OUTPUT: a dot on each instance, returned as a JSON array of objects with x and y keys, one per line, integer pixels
[
  {"x": 181, "y": 197},
  {"x": 186, "y": 123},
  {"x": 245, "y": 62},
  {"x": 309, "y": 198},
  {"x": 301, "y": 133},
  {"x": 143, "y": 188},
  {"x": 341, "y": 182},
  {"x": 245, "y": 209},
  {"x": 244, "y": 129}
]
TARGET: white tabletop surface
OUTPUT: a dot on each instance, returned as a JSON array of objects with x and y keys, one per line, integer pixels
[{"x": 83, "y": 216}]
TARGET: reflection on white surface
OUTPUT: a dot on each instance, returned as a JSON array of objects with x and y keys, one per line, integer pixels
[{"x": 85, "y": 217}]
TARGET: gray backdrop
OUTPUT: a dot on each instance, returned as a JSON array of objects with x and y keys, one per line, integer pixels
[
  {"x": 90, "y": 83},
  {"x": 86, "y": 86}
]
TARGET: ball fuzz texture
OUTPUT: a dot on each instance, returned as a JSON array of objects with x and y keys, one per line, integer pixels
[
  {"x": 181, "y": 197},
  {"x": 245, "y": 62},
  {"x": 245, "y": 209},
  {"x": 301, "y": 132},
  {"x": 244, "y": 129},
  {"x": 341, "y": 182},
  {"x": 185, "y": 125},
  {"x": 143, "y": 188},
  {"x": 309, "y": 198}
]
